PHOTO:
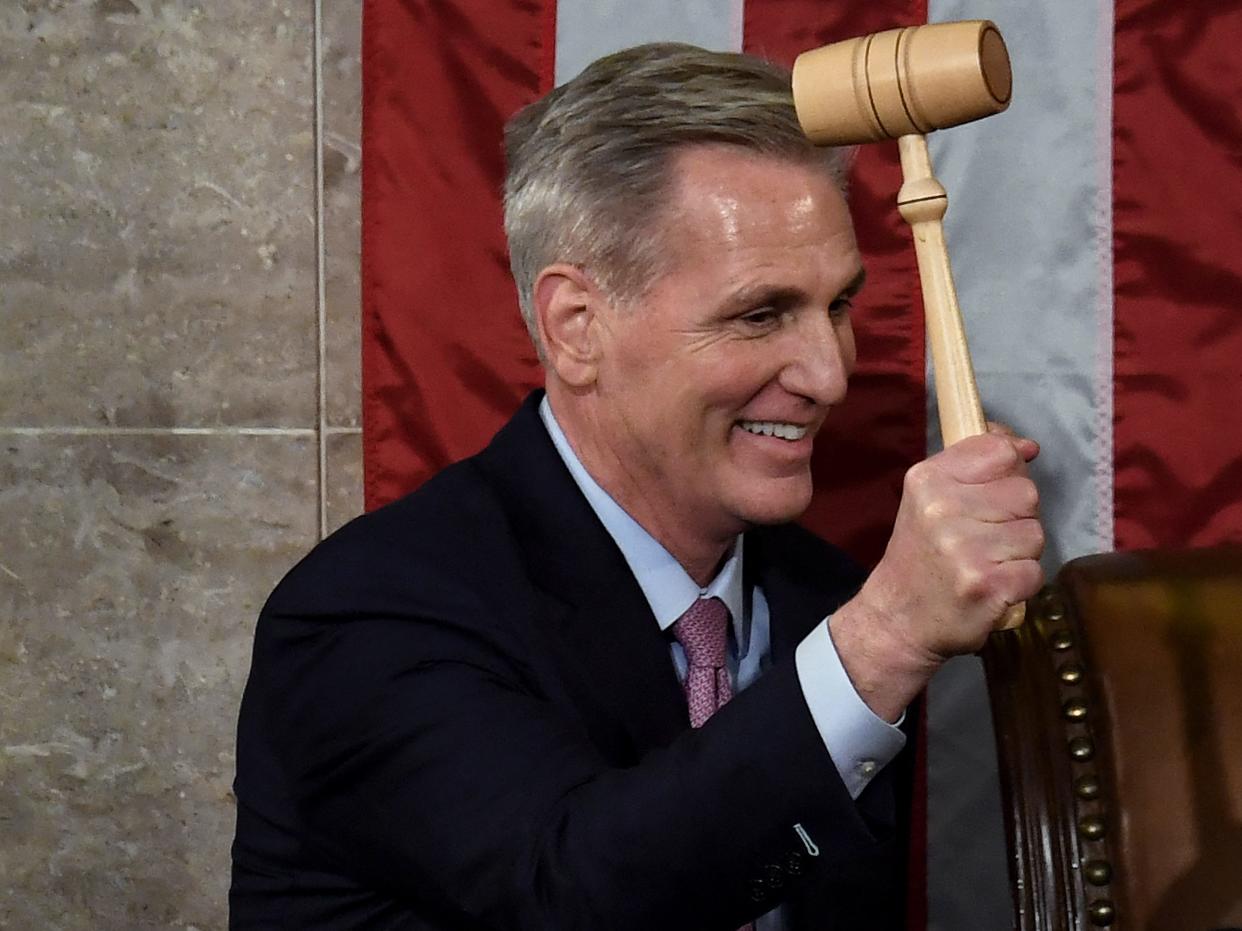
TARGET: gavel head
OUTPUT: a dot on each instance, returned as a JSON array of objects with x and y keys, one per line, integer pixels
[{"x": 902, "y": 81}]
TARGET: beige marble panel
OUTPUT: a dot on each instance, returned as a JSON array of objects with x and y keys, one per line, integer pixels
[
  {"x": 342, "y": 156},
  {"x": 131, "y": 573},
  {"x": 344, "y": 479},
  {"x": 157, "y": 247}
]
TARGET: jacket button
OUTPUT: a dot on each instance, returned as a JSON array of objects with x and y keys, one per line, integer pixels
[
  {"x": 758, "y": 890},
  {"x": 774, "y": 876},
  {"x": 794, "y": 864}
]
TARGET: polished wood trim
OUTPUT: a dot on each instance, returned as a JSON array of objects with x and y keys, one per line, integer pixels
[{"x": 1055, "y": 784}]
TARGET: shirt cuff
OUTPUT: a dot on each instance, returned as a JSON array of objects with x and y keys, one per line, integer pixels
[{"x": 860, "y": 742}]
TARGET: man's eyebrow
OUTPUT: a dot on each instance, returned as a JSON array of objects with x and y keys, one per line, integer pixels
[
  {"x": 856, "y": 284},
  {"x": 780, "y": 296},
  {"x": 766, "y": 294}
]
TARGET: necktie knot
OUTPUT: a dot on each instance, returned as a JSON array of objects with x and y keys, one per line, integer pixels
[{"x": 703, "y": 632}]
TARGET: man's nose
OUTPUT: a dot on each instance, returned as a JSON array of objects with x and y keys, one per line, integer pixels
[{"x": 819, "y": 367}]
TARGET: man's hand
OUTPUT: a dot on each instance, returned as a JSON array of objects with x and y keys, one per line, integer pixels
[{"x": 965, "y": 546}]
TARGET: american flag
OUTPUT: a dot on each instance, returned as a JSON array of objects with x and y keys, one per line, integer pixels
[{"x": 1096, "y": 236}]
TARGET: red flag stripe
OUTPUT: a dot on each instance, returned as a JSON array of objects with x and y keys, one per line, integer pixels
[
  {"x": 445, "y": 357},
  {"x": 1177, "y": 225}
]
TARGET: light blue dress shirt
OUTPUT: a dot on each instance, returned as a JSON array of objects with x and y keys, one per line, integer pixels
[{"x": 859, "y": 742}]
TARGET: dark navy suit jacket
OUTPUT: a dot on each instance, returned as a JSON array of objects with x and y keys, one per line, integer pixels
[{"x": 461, "y": 714}]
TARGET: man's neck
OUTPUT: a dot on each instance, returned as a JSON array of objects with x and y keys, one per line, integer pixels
[{"x": 699, "y": 553}]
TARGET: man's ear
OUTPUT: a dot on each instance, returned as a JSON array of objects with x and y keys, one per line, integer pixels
[{"x": 566, "y": 305}]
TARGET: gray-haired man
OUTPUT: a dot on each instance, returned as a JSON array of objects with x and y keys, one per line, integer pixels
[{"x": 592, "y": 677}]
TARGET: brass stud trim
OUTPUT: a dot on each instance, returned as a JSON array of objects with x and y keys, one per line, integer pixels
[
  {"x": 1081, "y": 749},
  {"x": 1058, "y": 630},
  {"x": 1070, "y": 673},
  {"x": 1087, "y": 787},
  {"x": 1098, "y": 872},
  {"x": 1101, "y": 912},
  {"x": 1074, "y": 710},
  {"x": 1051, "y": 604},
  {"x": 1091, "y": 827}
]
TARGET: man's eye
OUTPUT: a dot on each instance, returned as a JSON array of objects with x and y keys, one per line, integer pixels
[
  {"x": 764, "y": 316},
  {"x": 840, "y": 307}
]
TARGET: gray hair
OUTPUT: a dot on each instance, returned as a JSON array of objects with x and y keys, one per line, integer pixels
[{"x": 589, "y": 165}]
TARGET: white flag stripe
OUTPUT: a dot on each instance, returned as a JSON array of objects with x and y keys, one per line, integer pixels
[
  {"x": 1029, "y": 229},
  {"x": 588, "y": 29}
]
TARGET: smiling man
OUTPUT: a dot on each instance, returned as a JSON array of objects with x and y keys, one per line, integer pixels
[{"x": 594, "y": 677}]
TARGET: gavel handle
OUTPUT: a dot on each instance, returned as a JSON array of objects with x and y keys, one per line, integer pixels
[{"x": 922, "y": 202}]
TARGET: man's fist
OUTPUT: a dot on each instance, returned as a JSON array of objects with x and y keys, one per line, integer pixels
[{"x": 965, "y": 546}]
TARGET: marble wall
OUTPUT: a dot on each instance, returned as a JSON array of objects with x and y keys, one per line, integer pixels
[{"x": 179, "y": 394}]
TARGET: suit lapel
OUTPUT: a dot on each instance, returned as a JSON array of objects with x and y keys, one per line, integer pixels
[
  {"x": 795, "y": 605},
  {"x": 597, "y": 619}
]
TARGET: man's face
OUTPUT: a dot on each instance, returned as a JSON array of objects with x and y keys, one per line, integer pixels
[{"x": 712, "y": 388}]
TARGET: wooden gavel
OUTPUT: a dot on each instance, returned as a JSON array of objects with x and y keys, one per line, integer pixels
[{"x": 902, "y": 84}]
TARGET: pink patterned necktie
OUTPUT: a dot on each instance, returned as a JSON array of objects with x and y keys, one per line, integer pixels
[{"x": 703, "y": 633}]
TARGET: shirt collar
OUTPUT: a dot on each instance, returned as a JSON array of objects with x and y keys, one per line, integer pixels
[{"x": 667, "y": 587}]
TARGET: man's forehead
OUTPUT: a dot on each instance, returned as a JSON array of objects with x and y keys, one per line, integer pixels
[{"x": 738, "y": 184}]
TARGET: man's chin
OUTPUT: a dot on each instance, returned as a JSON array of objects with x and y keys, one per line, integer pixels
[{"x": 779, "y": 505}]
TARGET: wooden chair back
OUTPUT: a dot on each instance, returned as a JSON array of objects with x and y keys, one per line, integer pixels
[{"x": 1118, "y": 713}]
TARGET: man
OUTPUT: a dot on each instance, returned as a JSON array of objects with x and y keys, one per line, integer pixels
[{"x": 592, "y": 677}]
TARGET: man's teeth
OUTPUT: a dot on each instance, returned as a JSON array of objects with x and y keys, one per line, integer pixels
[{"x": 784, "y": 431}]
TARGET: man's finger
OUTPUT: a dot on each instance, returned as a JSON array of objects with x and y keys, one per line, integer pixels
[
  {"x": 1018, "y": 581},
  {"x": 979, "y": 459},
  {"x": 1027, "y": 447},
  {"x": 1011, "y": 498}
]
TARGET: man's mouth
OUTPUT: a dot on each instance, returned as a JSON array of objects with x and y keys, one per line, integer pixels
[{"x": 776, "y": 428}]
